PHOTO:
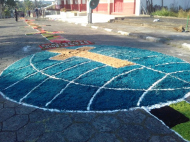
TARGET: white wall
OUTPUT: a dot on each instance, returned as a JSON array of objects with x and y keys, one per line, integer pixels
[
  {"x": 83, "y": 1},
  {"x": 183, "y": 3},
  {"x": 138, "y": 7}
]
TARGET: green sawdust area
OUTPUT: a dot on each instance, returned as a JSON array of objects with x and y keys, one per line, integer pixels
[
  {"x": 49, "y": 35},
  {"x": 184, "y": 128},
  {"x": 49, "y": 38},
  {"x": 182, "y": 107}
]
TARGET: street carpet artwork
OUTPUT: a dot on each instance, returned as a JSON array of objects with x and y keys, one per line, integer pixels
[
  {"x": 85, "y": 82},
  {"x": 56, "y": 40},
  {"x": 102, "y": 78},
  {"x": 51, "y": 36}
]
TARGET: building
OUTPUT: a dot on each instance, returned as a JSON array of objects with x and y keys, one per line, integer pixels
[{"x": 121, "y": 7}]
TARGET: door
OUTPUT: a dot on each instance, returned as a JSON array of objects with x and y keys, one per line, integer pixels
[{"x": 118, "y": 5}]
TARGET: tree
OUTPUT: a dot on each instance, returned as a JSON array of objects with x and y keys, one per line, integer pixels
[
  {"x": 10, "y": 3},
  {"x": 28, "y": 5},
  {"x": 5, "y": 7},
  {"x": 20, "y": 6},
  {"x": 1, "y": 7}
]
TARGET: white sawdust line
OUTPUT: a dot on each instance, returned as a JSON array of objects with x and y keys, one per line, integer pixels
[
  {"x": 150, "y": 88},
  {"x": 38, "y": 71},
  {"x": 41, "y": 71},
  {"x": 168, "y": 89},
  {"x": 171, "y": 63},
  {"x": 152, "y": 56},
  {"x": 46, "y": 80},
  {"x": 103, "y": 50},
  {"x": 85, "y": 85},
  {"x": 167, "y": 103},
  {"x": 119, "y": 89},
  {"x": 171, "y": 89},
  {"x": 24, "y": 77},
  {"x": 20, "y": 80},
  {"x": 69, "y": 69},
  {"x": 100, "y": 88},
  {"x": 169, "y": 74},
  {"x": 32, "y": 90},
  {"x": 162, "y": 71},
  {"x": 54, "y": 78},
  {"x": 179, "y": 79},
  {"x": 14, "y": 71},
  {"x": 23, "y": 68},
  {"x": 150, "y": 68},
  {"x": 146, "y": 57},
  {"x": 17, "y": 69},
  {"x": 72, "y": 82},
  {"x": 9, "y": 66},
  {"x": 180, "y": 71}
]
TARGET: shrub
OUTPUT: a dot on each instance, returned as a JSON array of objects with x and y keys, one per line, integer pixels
[
  {"x": 164, "y": 12},
  {"x": 64, "y": 10},
  {"x": 7, "y": 12},
  {"x": 183, "y": 14}
]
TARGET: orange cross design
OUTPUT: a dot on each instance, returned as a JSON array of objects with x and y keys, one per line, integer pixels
[{"x": 84, "y": 52}]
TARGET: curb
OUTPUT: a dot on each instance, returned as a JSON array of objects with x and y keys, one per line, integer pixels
[
  {"x": 140, "y": 36},
  {"x": 123, "y": 33},
  {"x": 148, "y": 38},
  {"x": 185, "y": 45},
  {"x": 108, "y": 30},
  {"x": 94, "y": 27},
  {"x": 153, "y": 39},
  {"x": 84, "y": 25}
]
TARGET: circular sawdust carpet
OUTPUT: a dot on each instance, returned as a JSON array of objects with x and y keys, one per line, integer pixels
[{"x": 96, "y": 78}]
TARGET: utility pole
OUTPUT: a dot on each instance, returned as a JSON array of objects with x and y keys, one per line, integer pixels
[
  {"x": 35, "y": 3},
  {"x": 91, "y": 4},
  {"x": 89, "y": 12}
]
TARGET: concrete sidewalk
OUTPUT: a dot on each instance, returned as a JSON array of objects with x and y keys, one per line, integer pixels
[
  {"x": 96, "y": 18},
  {"x": 141, "y": 27}
]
